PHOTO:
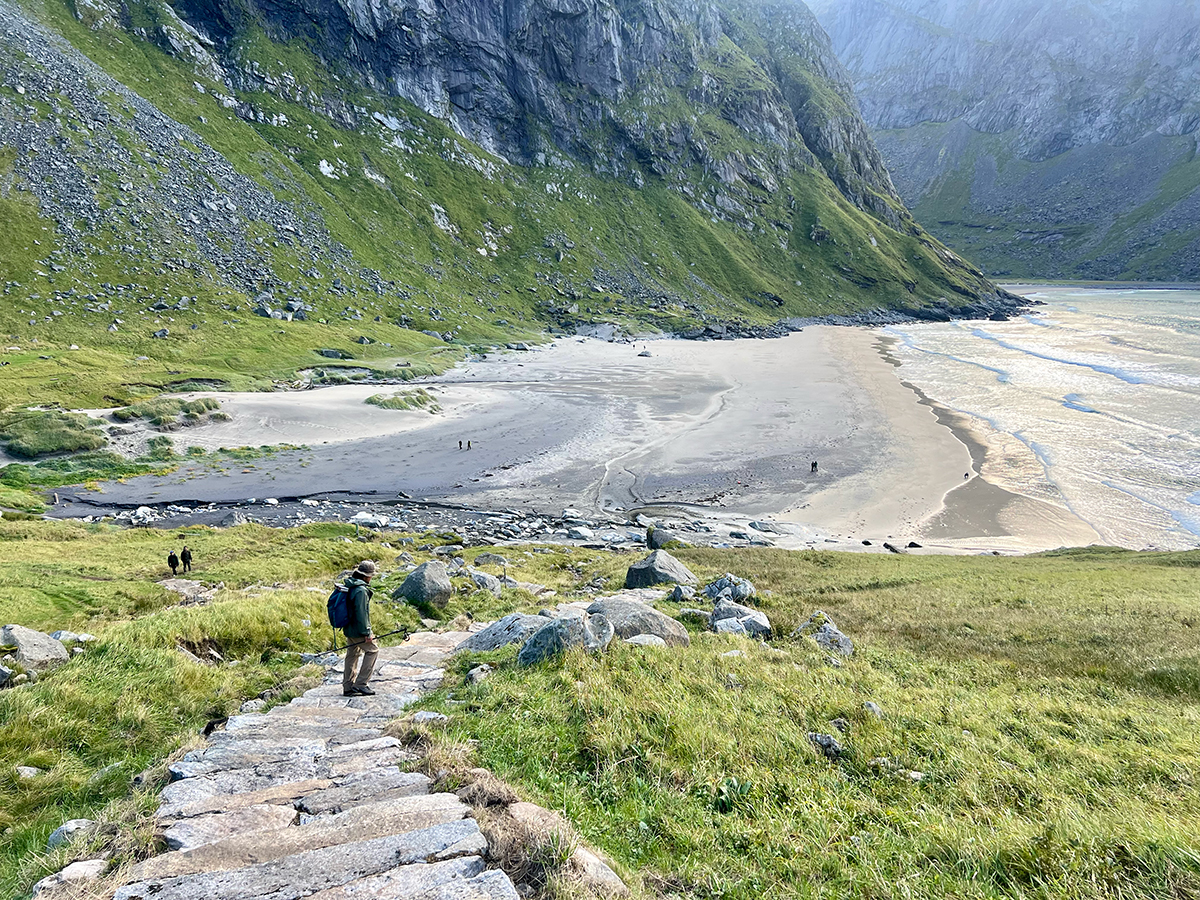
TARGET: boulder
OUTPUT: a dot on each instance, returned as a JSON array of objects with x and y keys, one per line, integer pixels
[
  {"x": 581, "y": 533},
  {"x": 232, "y": 519},
  {"x": 752, "y": 621},
  {"x": 35, "y": 651},
  {"x": 485, "y": 582},
  {"x": 68, "y": 831},
  {"x": 826, "y": 744},
  {"x": 821, "y": 629},
  {"x": 729, "y": 587},
  {"x": 593, "y": 633},
  {"x": 629, "y": 618},
  {"x": 874, "y": 709},
  {"x": 646, "y": 640},
  {"x": 429, "y": 583},
  {"x": 659, "y": 538},
  {"x": 682, "y": 594},
  {"x": 514, "y": 628},
  {"x": 660, "y": 567},
  {"x": 487, "y": 558},
  {"x": 77, "y": 873},
  {"x": 480, "y": 673},
  {"x": 696, "y": 615}
]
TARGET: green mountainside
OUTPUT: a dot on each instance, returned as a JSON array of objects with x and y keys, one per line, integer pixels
[{"x": 256, "y": 184}]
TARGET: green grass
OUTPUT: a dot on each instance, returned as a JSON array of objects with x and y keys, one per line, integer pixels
[
  {"x": 168, "y": 413},
  {"x": 33, "y": 433},
  {"x": 1050, "y": 703},
  {"x": 415, "y": 399}
]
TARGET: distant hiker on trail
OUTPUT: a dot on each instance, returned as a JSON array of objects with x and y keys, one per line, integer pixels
[
  {"x": 173, "y": 562},
  {"x": 460, "y": 445},
  {"x": 814, "y": 466},
  {"x": 185, "y": 557},
  {"x": 360, "y": 639},
  {"x": 468, "y": 445}
]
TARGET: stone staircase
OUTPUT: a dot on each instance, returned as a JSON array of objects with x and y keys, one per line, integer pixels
[{"x": 310, "y": 800}]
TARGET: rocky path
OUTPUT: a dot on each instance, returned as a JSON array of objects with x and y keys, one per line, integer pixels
[{"x": 311, "y": 799}]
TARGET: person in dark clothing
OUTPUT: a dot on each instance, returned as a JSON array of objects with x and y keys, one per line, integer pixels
[
  {"x": 173, "y": 562},
  {"x": 360, "y": 639},
  {"x": 814, "y": 466},
  {"x": 185, "y": 557}
]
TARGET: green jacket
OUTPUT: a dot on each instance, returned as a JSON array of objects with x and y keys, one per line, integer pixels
[{"x": 359, "y": 604}]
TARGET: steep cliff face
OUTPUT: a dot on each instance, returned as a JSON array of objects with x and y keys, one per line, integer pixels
[
  {"x": 1044, "y": 138},
  {"x": 458, "y": 168}
]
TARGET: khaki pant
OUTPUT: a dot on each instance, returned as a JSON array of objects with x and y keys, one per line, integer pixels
[{"x": 355, "y": 648}]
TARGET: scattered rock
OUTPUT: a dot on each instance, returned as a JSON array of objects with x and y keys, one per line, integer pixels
[
  {"x": 252, "y": 706},
  {"x": 70, "y": 637},
  {"x": 827, "y": 744},
  {"x": 428, "y": 717},
  {"x": 485, "y": 582},
  {"x": 842, "y": 725},
  {"x": 28, "y": 772},
  {"x": 822, "y": 630},
  {"x": 5, "y": 675},
  {"x": 429, "y": 583},
  {"x": 77, "y": 873},
  {"x": 593, "y": 633},
  {"x": 37, "y": 652},
  {"x": 487, "y": 558},
  {"x": 697, "y": 615},
  {"x": 660, "y": 567},
  {"x": 873, "y": 708},
  {"x": 646, "y": 640},
  {"x": 730, "y": 587},
  {"x": 682, "y": 594},
  {"x": 233, "y": 518},
  {"x": 631, "y": 618},
  {"x": 581, "y": 533},
  {"x": 752, "y": 622},
  {"x": 515, "y": 628},
  {"x": 68, "y": 831},
  {"x": 479, "y": 673},
  {"x": 660, "y": 538}
]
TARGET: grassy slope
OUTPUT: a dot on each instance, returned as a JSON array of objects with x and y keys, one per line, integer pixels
[
  {"x": 718, "y": 268},
  {"x": 1051, "y": 704},
  {"x": 1077, "y": 676}
]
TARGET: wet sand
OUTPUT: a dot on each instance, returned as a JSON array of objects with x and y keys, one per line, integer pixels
[{"x": 726, "y": 430}]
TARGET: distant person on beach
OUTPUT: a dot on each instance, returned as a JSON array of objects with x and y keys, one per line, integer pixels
[
  {"x": 173, "y": 562},
  {"x": 814, "y": 466},
  {"x": 185, "y": 557},
  {"x": 468, "y": 445},
  {"x": 360, "y": 639},
  {"x": 460, "y": 445}
]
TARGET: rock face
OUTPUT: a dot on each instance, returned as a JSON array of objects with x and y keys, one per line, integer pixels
[
  {"x": 630, "y": 619},
  {"x": 429, "y": 583},
  {"x": 35, "y": 651},
  {"x": 592, "y": 632},
  {"x": 660, "y": 567},
  {"x": 1093, "y": 99}
]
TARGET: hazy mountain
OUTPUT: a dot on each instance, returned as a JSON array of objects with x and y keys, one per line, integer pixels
[{"x": 1042, "y": 138}]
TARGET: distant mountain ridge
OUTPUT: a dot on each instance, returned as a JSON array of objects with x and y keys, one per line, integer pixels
[{"x": 1044, "y": 139}]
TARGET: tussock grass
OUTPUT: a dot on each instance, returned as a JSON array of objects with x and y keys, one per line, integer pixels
[
  {"x": 32, "y": 433},
  {"x": 169, "y": 413},
  {"x": 414, "y": 399}
]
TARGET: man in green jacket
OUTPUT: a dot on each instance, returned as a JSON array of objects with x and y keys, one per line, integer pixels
[{"x": 360, "y": 639}]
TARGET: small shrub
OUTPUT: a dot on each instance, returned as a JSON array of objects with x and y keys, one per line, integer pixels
[{"x": 415, "y": 399}]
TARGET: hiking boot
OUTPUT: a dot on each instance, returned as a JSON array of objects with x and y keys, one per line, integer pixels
[
  {"x": 364, "y": 691},
  {"x": 349, "y": 692}
]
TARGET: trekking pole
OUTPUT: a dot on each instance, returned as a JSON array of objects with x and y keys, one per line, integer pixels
[{"x": 403, "y": 631}]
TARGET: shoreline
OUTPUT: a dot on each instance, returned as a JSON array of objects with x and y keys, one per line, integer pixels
[{"x": 717, "y": 433}]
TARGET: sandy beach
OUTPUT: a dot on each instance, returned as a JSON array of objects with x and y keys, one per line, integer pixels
[{"x": 722, "y": 430}]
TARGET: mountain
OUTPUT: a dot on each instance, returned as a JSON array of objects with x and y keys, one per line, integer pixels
[
  {"x": 464, "y": 169},
  {"x": 1043, "y": 139}
]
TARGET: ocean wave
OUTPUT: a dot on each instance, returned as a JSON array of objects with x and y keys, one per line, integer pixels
[{"x": 1102, "y": 368}]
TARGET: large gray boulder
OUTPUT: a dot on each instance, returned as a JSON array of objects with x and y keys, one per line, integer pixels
[
  {"x": 729, "y": 587},
  {"x": 659, "y": 538},
  {"x": 514, "y": 628},
  {"x": 68, "y": 831},
  {"x": 821, "y": 629},
  {"x": 734, "y": 618},
  {"x": 429, "y": 583},
  {"x": 593, "y": 633},
  {"x": 630, "y": 618},
  {"x": 35, "y": 651},
  {"x": 660, "y": 567},
  {"x": 485, "y": 582}
]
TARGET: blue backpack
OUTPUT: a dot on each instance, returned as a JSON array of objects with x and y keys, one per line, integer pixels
[{"x": 339, "y": 606}]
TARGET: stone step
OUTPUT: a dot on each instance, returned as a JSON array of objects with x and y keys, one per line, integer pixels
[
  {"x": 283, "y": 794},
  {"x": 291, "y": 713},
  {"x": 333, "y": 735},
  {"x": 375, "y": 785},
  {"x": 196, "y": 831},
  {"x": 407, "y": 882},
  {"x": 334, "y": 767},
  {"x": 244, "y": 754},
  {"x": 295, "y": 855},
  {"x": 396, "y": 816}
]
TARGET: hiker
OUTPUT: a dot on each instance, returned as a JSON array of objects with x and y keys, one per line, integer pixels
[
  {"x": 185, "y": 557},
  {"x": 468, "y": 445},
  {"x": 173, "y": 562},
  {"x": 460, "y": 445},
  {"x": 360, "y": 640},
  {"x": 814, "y": 466}
]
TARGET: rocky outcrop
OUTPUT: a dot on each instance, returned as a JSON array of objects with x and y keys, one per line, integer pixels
[
  {"x": 589, "y": 632},
  {"x": 631, "y": 618},
  {"x": 37, "y": 652},
  {"x": 1046, "y": 139}
]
